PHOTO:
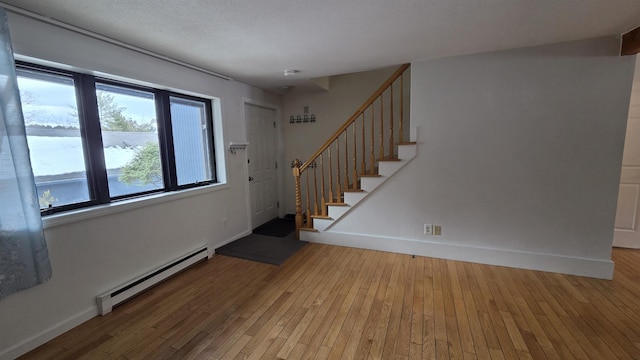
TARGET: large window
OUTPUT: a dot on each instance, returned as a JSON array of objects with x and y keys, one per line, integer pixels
[{"x": 93, "y": 141}]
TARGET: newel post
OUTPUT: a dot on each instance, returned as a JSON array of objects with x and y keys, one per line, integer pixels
[{"x": 296, "y": 175}]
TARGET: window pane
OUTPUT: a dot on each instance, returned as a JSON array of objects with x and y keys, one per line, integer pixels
[
  {"x": 130, "y": 139},
  {"x": 53, "y": 133},
  {"x": 191, "y": 140}
]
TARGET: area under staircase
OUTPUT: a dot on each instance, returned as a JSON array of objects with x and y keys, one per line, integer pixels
[
  {"x": 367, "y": 185},
  {"x": 357, "y": 159}
]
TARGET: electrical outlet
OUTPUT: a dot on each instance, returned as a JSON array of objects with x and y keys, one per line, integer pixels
[
  {"x": 437, "y": 230},
  {"x": 428, "y": 229}
]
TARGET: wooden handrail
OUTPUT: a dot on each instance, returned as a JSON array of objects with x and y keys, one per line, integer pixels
[{"x": 355, "y": 115}]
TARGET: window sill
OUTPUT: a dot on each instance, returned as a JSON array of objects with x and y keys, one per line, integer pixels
[{"x": 69, "y": 217}]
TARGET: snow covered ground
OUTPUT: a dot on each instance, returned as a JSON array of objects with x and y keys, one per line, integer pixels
[{"x": 62, "y": 155}]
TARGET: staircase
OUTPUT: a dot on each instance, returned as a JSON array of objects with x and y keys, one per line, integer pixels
[{"x": 359, "y": 157}]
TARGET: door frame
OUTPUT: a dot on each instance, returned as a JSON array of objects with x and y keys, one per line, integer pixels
[
  {"x": 279, "y": 132},
  {"x": 630, "y": 168}
]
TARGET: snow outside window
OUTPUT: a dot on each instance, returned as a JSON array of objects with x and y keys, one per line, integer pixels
[{"x": 50, "y": 110}]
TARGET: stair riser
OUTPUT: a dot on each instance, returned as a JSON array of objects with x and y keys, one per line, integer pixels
[
  {"x": 322, "y": 224},
  {"x": 370, "y": 184},
  {"x": 354, "y": 198},
  {"x": 388, "y": 168},
  {"x": 406, "y": 152},
  {"x": 335, "y": 212}
]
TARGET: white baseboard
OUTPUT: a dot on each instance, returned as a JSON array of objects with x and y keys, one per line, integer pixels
[
  {"x": 596, "y": 268},
  {"x": 48, "y": 334},
  {"x": 626, "y": 243}
]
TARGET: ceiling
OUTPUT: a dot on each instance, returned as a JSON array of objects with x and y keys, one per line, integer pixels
[{"x": 254, "y": 41}]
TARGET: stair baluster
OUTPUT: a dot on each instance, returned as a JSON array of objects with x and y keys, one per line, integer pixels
[
  {"x": 323, "y": 204},
  {"x": 315, "y": 189},
  {"x": 363, "y": 165},
  {"x": 391, "y": 142},
  {"x": 373, "y": 141},
  {"x": 401, "y": 120},
  {"x": 382, "y": 126},
  {"x": 296, "y": 175},
  {"x": 346, "y": 160},
  {"x": 330, "y": 176},
  {"x": 355, "y": 157},
  {"x": 339, "y": 187},
  {"x": 347, "y": 178},
  {"x": 308, "y": 211}
]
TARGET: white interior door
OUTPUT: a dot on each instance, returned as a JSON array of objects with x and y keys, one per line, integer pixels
[
  {"x": 627, "y": 226},
  {"x": 262, "y": 163}
]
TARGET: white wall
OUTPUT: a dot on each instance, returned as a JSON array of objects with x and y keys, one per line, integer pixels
[
  {"x": 94, "y": 254},
  {"x": 332, "y": 108},
  {"x": 519, "y": 156}
]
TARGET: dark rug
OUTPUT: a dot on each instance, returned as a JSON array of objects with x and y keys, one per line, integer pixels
[
  {"x": 276, "y": 227},
  {"x": 262, "y": 248}
]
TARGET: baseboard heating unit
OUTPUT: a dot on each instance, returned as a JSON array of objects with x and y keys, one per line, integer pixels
[{"x": 108, "y": 300}]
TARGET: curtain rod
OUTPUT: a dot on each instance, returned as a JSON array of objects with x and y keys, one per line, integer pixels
[{"x": 109, "y": 40}]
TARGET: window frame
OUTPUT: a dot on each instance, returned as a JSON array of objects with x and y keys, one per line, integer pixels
[
  {"x": 91, "y": 137},
  {"x": 210, "y": 143}
]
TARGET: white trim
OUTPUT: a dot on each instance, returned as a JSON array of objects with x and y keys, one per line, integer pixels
[
  {"x": 69, "y": 217},
  {"x": 625, "y": 242},
  {"x": 49, "y": 334},
  {"x": 219, "y": 139},
  {"x": 245, "y": 164},
  {"x": 597, "y": 268}
]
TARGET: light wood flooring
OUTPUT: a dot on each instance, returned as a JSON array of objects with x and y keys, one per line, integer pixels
[{"x": 330, "y": 302}]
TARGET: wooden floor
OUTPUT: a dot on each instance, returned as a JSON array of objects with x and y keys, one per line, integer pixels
[{"x": 343, "y": 303}]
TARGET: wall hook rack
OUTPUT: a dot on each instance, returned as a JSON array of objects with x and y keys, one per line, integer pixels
[{"x": 235, "y": 146}]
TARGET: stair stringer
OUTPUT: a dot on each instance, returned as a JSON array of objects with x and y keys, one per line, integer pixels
[{"x": 386, "y": 169}]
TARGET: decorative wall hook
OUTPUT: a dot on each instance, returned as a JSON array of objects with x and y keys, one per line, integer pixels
[
  {"x": 306, "y": 118},
  {"x": 235, "y": 146}
]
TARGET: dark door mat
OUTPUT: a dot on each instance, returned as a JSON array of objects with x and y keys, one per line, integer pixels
[
  {"x": 266, "y": 249},
  {"x": 276, "y": 227}
]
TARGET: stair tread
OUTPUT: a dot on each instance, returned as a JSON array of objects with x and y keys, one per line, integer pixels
[
  {"x": 408, "y": 143},
  {"x": 321, "y": 217},
  {"x": 337, "y": 204},
  {"x": 370, "y": 175},
  {"x": 352, "y": 190},
  {"x": 307, "y": 229},
  {"x": 390, "y": 159}
]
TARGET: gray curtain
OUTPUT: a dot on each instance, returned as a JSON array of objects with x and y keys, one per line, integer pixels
[{"x": 24, "y": 260}]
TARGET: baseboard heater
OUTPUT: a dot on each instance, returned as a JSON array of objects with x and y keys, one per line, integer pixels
[{"x": 108, "y": 300}]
